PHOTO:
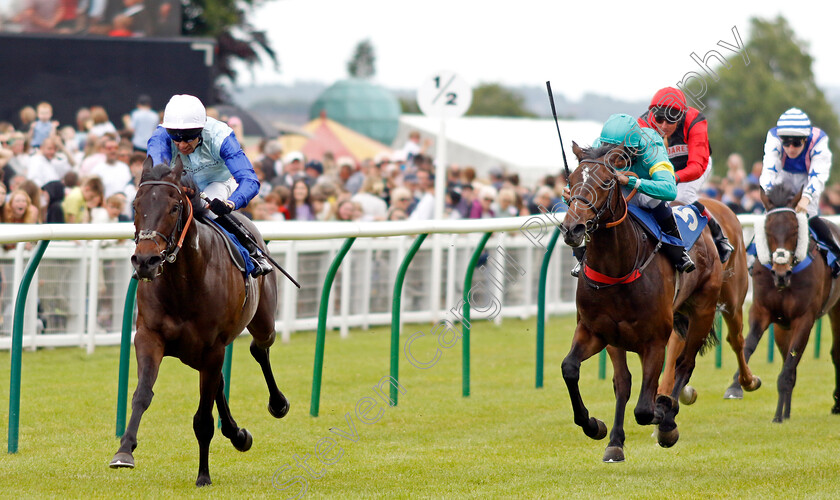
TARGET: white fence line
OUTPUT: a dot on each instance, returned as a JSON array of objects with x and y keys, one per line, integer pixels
[{"x": 78, "y": 293}]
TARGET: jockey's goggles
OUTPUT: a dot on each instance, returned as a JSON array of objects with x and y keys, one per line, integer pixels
[
  {"x": 792, "y": 141},
  {"x": 667, "y": 115},
  {"x": 185, "y": 135}
]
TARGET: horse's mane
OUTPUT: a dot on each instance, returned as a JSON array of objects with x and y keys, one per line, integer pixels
[
  {"x": 593, "y": 153},
  {"x": 780, "y": 195},
  {"x": 162, "y": 170}
]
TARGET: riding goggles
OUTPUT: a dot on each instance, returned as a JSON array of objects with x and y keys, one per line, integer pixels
[
  {"x": 184, "y": 135},
  {"x": 792, "y": 141},
  {"x": 668, "y": 115}
]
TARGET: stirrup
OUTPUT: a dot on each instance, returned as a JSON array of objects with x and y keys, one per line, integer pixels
[
  {"x": 686, "y": 265},
  {"x": 261, "y": 266},
  {"x": 724, "y": 249},
  {"x": 575, "y": 272}
]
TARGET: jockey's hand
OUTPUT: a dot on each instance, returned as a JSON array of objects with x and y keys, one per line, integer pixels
[
  {"x": 622, "y": 179},
  {"x": 802, "y": 206},
  {"x": 567, "y": 194},
  {"x": 220, "y": 207}
]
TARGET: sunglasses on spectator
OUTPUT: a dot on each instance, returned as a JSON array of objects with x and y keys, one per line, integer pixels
[
  {"x": 792, "y": 141},
  {"x": 184, "y": 137},
  {"x": 667, "y": 115}
]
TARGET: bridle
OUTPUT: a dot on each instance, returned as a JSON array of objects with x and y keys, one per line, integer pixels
[
  {"x": 170, "y": 251},
  {"x": 593, "y": 224}
]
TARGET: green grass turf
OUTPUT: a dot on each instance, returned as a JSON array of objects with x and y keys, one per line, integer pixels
[{"x": 507, "y": 440}]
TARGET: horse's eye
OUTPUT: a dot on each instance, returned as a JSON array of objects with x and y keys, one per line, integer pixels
[{"x": 174, "y": 210}]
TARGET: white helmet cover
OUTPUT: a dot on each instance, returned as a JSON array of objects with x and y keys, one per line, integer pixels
[
  {"x": 794, "y": 122},
  {"x": 184, "y": 112}
]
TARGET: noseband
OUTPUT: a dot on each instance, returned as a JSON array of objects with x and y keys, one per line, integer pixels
[
  {"x": 170, "y": 251},
  {"x": 593, "y": 224}
]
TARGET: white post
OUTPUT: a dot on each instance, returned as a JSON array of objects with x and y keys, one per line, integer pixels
[
  {"x": 440, "y": 198},
  {"x": 93, "y": 296}
]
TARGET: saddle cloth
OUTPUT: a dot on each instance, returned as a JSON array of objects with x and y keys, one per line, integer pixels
[
  {"x": 690, "y": 222},
  {"x": 239, "y": 255}
]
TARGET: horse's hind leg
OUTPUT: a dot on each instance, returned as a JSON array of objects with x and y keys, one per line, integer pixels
[
  {"x": 149, "y": 354},
  {"x": 834, "y": 314},
  {"x": 733, "y": 315},
  {"x": 239, "y": 437},
  {"x": 759, "y": 321},
  {"x": 666, "y": 380},
  {"x": 203, "y": 424},
  {"x": 262, "y": 332},
  {"x": 584, "y": 346},
  {"x": 621, "y": 385}
]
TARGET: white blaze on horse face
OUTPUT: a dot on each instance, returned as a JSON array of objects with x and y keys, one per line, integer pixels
[{"x": 585, "y": 174}]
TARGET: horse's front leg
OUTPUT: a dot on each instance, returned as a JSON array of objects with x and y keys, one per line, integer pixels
[
  {"x": 239, "y": 437},
  {"x": 792, "y": 345},
  {"x": 203, "y": 424},
  {"x": 759, "y": 321},
  {"x": 745, "y": 378},
  {"x": 149, "y": 352},
  {"x": 584, "y": 346},
  {"x": 622, "y": 382},
  {"x": 652, "y": 358}
]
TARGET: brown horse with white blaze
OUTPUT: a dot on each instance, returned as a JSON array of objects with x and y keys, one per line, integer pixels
[
  {"x": 191, "y": 303},
  {"x": 636, "y": 313}
]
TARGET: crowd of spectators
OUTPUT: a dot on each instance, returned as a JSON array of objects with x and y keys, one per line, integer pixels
[{"x": 87, "y": 172}]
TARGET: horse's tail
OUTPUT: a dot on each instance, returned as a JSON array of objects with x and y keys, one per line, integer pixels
[{"x": 681, "y": 327}]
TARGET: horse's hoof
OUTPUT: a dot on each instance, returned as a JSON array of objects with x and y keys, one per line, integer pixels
[
  {"x": 600, "y": 431},
  {"x": 203, "y": 481},
  {"x": 777, "y": 420},
  {"x": 122, "y": 460},
  {"x": 734, "y": 392},
  {"x": 614, "y": 454},
  {"x": 836, "y": 409},
  {"x": 281, "y": 412},
  {"x": 247, "y": 441},
  {"x": 755, "y": 386},
  {"x": 688, "y": 395},
  {"x": 667, "y": 439}
]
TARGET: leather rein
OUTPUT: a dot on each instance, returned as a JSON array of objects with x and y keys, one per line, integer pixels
[{"x": 170, "y": 251}]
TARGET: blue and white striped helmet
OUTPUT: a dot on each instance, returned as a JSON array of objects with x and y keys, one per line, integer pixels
[{"x": 794, "y": 122}]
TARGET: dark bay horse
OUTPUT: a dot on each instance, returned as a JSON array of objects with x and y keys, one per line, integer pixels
[
  {"x": 190, "y": 305},
  {"x": 637, "y": 312},
  {"x": 792, "y": 294},
  {"x": 733, "y": 291}
]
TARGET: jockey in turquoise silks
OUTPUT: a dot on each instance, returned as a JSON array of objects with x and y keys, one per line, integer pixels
[{"x": 655, "y": 185}]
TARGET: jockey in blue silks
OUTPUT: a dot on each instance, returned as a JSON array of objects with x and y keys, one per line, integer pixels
[
  {"x": 211, "y": 153},
  {"x": 797, "y": 154}
]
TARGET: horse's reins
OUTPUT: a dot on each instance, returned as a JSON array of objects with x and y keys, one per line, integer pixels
[
  {"x": 607, "y": 281},
  {"x": 170, "y": 252}
]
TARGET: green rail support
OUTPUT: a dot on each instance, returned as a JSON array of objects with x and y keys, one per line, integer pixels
[
  {"x": 549, "y": 251},
  {"x": 602, "y": 364},
  {"x": 771, "y": 344},
  {"x": 719, "y": 346},
  {"x": 17, "y": 344},
  {"x": 395, "y": 314},
  {"x": 818, "y": 339},
  {"x": 465, "y": 338},
  {"x": 125, "y": 355},
  {"x": 315, "y": 403}
]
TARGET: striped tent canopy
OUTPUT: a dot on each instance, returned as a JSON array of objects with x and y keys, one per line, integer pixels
[{"x": 328, "y": 135}]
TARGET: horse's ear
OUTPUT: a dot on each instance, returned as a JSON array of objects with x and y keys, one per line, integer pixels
[
  {"x": 796, "y": 198},
  {"x": 764, "y": 200},
  {"x": 148, "y": 163},
  {"x": 177, "y": 168},
  {"x": 577, "y": 151}
]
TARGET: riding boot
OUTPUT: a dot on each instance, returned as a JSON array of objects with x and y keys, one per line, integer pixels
[
  {"x": 825, "y": 235},
  {"x": 261, "y": 264},
  {"x": 724, "y": 248},
  {"x": 578, "y": 252},
  {"x": 722, "y": 244},
  {"x": 675, "y": 253}
]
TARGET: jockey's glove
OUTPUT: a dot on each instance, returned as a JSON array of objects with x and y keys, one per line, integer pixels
[{"x": 220, "y": 207}]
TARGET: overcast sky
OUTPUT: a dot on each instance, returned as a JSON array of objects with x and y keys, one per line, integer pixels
[{"x": 622, "y": 49}]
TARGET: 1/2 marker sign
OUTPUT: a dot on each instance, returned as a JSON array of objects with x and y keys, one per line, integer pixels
[{"x": 444, "y": 95}]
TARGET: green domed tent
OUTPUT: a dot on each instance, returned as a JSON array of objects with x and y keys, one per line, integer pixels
[{"x": 362, "y": 106}]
